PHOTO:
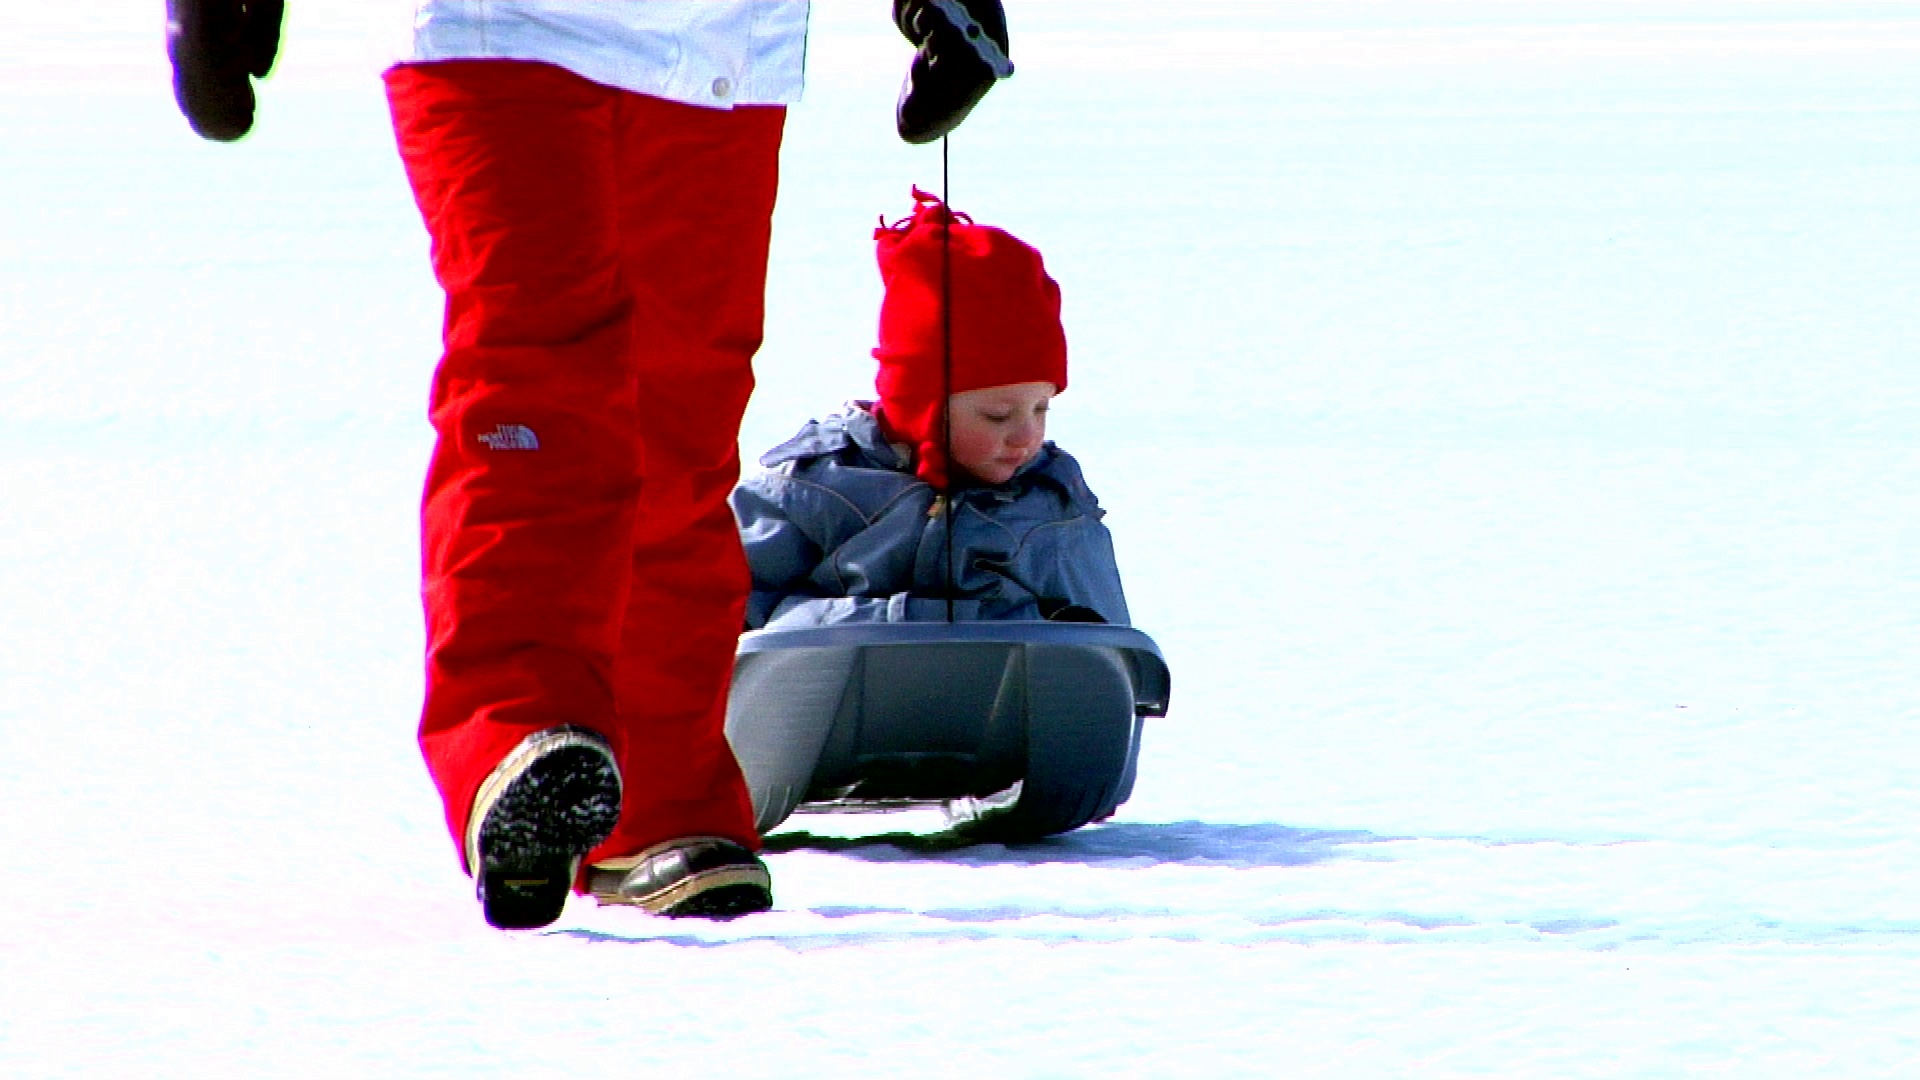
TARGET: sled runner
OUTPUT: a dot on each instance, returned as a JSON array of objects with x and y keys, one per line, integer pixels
[{"x": 1021, "y": 729}]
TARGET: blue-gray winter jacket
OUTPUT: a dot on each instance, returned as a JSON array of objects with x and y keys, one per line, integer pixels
[{"x": 839, "y": 529}]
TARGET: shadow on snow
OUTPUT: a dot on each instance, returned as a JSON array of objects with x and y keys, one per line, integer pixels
[
  {"x": 1119, "y": 845},
  {"x": 1182, "y": 842}
]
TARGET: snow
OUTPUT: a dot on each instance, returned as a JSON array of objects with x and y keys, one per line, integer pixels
[{"x": 1508, "y": 414}]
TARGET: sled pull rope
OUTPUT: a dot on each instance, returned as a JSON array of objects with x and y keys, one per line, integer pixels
[{"x": 946, "y": 359}]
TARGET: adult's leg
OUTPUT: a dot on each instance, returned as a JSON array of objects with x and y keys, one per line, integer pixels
[
  {"x": 696, "y": 205},
  {"x": 528, "y": 515}
]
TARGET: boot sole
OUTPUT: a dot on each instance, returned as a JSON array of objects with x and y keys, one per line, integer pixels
[
  {"x": 554, "y": 798},
  {"x": 722, "y": 892},
  {"x": 716, "y": 894}
]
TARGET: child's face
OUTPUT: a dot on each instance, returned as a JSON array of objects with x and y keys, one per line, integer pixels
[{"x": 997, "y": 429}]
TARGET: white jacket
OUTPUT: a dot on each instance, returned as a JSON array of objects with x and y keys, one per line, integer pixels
[{"x": 717, "y": 53}]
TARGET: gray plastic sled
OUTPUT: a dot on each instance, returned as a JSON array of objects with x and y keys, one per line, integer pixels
[{"x": 1020, "y": 729}]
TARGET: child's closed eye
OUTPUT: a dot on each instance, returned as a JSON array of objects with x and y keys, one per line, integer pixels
[{"x": 1004, "y": 416}]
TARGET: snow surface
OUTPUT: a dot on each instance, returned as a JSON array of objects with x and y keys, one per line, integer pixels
[{"x": 1508, "y": 413}]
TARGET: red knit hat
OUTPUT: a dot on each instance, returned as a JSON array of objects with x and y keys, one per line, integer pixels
[{"x": 1005, "y": 324}]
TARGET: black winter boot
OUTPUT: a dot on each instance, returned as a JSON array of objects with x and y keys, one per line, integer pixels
[
  {"x": 217, "y": 48},
  {"x": 962, "y": 51},
  {"x": 703, "y": 876},
  {"x": 535, "y": 816}
]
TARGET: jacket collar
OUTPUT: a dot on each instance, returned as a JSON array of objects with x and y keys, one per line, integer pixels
[{"x": 854, "y": 427}]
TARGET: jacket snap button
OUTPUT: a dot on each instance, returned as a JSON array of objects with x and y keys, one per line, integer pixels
[{"x": 722, "y": 86}]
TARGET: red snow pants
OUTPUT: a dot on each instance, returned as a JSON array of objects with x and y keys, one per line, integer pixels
[{"x": 604, "y": 258}]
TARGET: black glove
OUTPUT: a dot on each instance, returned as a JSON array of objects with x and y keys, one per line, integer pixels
[
  {"x": 218, "y": 47},
  {"x": 962, "y": 50},
  {"x": 1054, "y": 609}
]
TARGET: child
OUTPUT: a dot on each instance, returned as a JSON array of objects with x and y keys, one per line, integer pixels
[{"x": 850, "y": 521}]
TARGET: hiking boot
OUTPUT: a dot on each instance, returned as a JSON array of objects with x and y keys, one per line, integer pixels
[
  {"x": 535, "y": 816},
  {"x": 704, "y": 876}
]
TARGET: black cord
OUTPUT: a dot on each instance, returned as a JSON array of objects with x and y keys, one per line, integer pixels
[{"x": 946, "y": 369}]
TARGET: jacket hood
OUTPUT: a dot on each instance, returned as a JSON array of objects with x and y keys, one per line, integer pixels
[{"x": 854, "y": 426}]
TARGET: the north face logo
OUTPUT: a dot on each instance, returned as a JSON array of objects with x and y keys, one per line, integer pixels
[{"x": 511, "y": 437}]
